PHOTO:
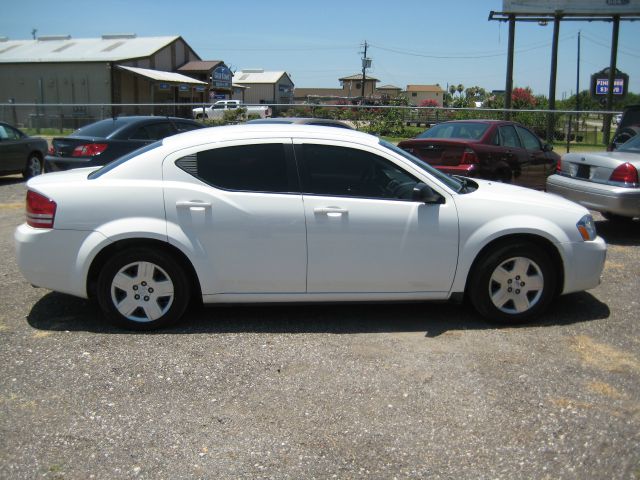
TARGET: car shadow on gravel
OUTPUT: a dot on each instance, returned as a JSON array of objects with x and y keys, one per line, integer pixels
[
  {"x": 59, "y": 312},
  {"x": 11, "y": 180},
  {"x": 622, "y": 233}
]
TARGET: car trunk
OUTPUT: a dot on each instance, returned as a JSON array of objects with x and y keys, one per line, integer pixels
[{"x": 438, "y": 152}]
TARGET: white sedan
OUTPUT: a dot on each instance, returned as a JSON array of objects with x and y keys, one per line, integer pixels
[{"x": 296, "y": 213}]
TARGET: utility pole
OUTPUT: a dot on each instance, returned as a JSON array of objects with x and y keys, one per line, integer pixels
[
  {"x": 366, "y": 63},
  {"x": 578, "y": 76}
]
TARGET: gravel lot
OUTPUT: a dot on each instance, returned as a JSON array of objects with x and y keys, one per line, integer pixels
[{"x": 374, "y": 391}]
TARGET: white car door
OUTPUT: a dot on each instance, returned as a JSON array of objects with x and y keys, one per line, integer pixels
[
  {"x": 365, "y": 234},
  {"x": 236, "y": 207}
]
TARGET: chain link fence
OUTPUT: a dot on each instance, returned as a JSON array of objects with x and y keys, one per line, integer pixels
[{"x": 570, "y": 128}]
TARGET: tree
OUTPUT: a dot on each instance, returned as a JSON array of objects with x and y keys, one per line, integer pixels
[{"x": 522, "y": 98}]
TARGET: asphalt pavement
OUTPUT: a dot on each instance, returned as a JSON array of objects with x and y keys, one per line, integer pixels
[{"x": 302, "y": 392}]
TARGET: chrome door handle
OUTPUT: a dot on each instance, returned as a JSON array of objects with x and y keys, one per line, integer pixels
[
  {"x": 195, "y": 204},
  {"x": 331, "y": 211}
]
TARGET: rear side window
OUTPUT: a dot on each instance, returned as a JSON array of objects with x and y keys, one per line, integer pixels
[
  {"x": 153, "y": 131},
  {"x": 252, "y": 168}
]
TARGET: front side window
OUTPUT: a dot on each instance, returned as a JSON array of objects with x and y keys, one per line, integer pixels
[
  {"x": 509, "y": 137},
  {"x": 529, "y": 140},
  {"x": 342, "y": 171},
  {"x": 249, "y": 168}
]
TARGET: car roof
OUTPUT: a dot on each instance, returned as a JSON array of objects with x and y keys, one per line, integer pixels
[{"x": 267, "y": 130}]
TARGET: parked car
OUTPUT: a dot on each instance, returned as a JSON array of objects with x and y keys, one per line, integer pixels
[
  {"x": 105, "y": 140},
  {"x": 216, "y": 111},
  {"x": 628, "y": 126},
  {"x": 321, "y": 122},
  {"x": 603, "y": 181},
  {"x": 297, "y": 213},
  {"x": 20, "y": 153},
  {"x": 489, "y": 149}
]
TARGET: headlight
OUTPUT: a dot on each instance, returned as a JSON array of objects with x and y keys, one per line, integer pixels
[{"x": 587, "y": 228}]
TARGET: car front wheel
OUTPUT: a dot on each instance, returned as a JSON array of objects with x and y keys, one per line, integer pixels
[
  {"x": 513, "y": 284},
  {"x": 143, "y": 289}
]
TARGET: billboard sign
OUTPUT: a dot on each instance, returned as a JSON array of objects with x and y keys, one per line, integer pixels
[
  {"x": 572, "y": 7},
  {"x": 600, "y": 83},
  {"x": 222, "y": 77}
]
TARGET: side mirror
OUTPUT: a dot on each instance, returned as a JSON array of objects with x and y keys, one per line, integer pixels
[
  {"x": 424, "y": 193},
  {"x": 547, "y": 147}
]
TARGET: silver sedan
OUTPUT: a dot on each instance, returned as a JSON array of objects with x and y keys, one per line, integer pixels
[{"x": 603, "y": 181}]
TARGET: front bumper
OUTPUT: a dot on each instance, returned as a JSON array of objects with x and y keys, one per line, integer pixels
[
  {"x": 596, "y": 196},
  {"x": 584, "y": 264}
]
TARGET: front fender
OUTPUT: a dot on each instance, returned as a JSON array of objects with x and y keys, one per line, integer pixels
[{"x": 474, "y": 241}]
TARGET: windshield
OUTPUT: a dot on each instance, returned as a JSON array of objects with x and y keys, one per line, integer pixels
[
  {"x": 119, "y": 161},
  {"x": 632, "y": 145},
  {"x": 448, "y": 180},
  {"x": 465, "y": 130}
]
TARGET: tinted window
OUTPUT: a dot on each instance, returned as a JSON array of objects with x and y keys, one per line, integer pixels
[
  {"x": 187, "y": 126},
  {"x": 469, "y": 130},
  {"x": 342, "y": 171},
  {"x": 257, "y": 168},
  {"x": 101, "y": 129},
  {"x": 153, "y": 131},
  {"x": 529, "y": 140},
  {"x": 8, "y": 133},
  {"x": 509, "y": 137}
]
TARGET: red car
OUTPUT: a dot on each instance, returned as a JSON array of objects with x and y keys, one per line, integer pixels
[{"x": 491, "y": 149}]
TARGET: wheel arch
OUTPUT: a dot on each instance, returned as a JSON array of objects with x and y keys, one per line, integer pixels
[
  {"x": 541, "y": 242},
  {"x": 101, "y": 258}
]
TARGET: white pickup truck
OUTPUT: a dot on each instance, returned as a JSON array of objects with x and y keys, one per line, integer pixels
[{"x": 216, "y": 111}]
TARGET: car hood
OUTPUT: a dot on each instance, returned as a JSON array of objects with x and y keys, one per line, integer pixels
[{"x": 510, "y": 198}]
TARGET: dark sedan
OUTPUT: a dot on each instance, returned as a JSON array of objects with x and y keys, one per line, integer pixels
[
  {"x": 105, "y": 140},
  {"x": 20, "y": 153},
  {"x": 322, "y": 122},
  {"x": 490, "y": 149}
]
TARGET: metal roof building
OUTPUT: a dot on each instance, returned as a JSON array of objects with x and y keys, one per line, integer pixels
[{"x": 112, "y": 69}]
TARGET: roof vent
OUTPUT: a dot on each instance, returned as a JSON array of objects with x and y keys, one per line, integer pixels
[
  {"x": 118, "y": 36},
  {"x": 64, "y": 47},
  {"x": 253, "y": 70},
  {"x": 50, "y": 38},
  {"x": 113, "y": 46}
]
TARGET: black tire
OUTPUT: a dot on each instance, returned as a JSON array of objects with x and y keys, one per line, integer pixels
[
  {"x": 33, "y": 166},
  {"x": 513, "y": 284},
  {"x": 142, "y": 289}
]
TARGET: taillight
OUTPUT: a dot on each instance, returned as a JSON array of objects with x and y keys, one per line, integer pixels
[
  {"x": 89, "y": 150},
  {"x": 52, "y": 150},
  {"x": 625, "y": 173},
  {"x": 41, "y": 211},
  {"x": 559, "y": 165},
  {"x": 469, "y": 157}
]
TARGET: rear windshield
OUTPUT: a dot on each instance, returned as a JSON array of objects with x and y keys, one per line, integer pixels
[
  {"x": 119, "y": 161},
  {"x": 632, "y": 145},
  {"x": 101, "y": 129},
  {"x": 467, "y": 130}
]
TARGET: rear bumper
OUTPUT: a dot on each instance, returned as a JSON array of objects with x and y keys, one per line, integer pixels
[
  {"x": 596, "y": 196},
  {"x": 59, "y": 164},
  {"x": 65, "y": 270}
]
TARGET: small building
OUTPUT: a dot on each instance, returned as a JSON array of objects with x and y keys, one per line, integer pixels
[
  {"x": 112, "y": 69},
  {"x": 263, "y": 87},
  {"x": 213, "y": 72},
  {"x": 350, "y": 91},
  {"x": 388, "y": 92},
  {"x": 416, "y": 94},
  {"x": 352, "y": 85}
]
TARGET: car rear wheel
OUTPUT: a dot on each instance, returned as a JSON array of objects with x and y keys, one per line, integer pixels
[
  {"x": 143, "y": 289},
  {"x": 513, "y": 284},
  {"x": 33, "y": 167}
]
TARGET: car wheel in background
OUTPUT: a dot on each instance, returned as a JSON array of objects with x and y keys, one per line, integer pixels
[
  {"x": 142, "y": 289},
  {"x": 513, "y": 284},
  {"x": 33, "y": 167}
]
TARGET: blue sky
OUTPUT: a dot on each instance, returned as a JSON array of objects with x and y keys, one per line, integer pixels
[{"x": 411, "y": 41}]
